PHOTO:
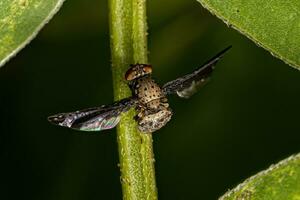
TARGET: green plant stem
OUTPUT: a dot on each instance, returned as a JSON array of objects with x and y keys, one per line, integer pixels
[{"x": 128, "y": 32}]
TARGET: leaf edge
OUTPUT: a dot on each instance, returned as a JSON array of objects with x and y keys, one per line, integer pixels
[
  {"x": 34, "y": 33},
  {"x": 271, "y": 168},
  {"x": 243, "y": 32}
]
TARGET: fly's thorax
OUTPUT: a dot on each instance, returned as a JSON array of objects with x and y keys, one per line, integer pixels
[{"x": 146, "y": 89}]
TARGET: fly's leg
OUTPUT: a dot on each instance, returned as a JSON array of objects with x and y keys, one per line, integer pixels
[
  {"x": 140, "y": 109},
  {"x": 164, "y": 103}
]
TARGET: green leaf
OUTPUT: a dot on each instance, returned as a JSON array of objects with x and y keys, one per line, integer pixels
[
  {"x": 279, "y": 182},
  {"x": 274, "y": 25},
  {"x": 20, "y": 21}
]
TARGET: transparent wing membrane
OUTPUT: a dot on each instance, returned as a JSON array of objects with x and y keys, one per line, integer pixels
[
  {"x": 189, "y": 84},
  {"x": 94, "y": 119}
]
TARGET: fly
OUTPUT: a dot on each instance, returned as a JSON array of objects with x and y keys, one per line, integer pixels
[{"x": 148, "y": 98}]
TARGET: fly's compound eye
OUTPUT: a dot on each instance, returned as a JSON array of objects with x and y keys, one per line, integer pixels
[
  {"x": 131, "y": 74},
  {"x": 147, "y": 69},
  {"x": 137, "y": 71}
]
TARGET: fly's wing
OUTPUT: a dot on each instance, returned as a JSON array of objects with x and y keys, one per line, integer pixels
[
  {"x": 189, "y": 84},
  {"x": 94, "y": 119}
]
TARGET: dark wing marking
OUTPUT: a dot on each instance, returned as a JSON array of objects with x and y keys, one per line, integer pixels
[
  {"x": 189, "y": 84},
  {"x": 94, "y": 119}
]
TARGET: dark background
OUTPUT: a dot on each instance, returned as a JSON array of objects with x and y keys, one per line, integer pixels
[{"x": 245, "y": 119}]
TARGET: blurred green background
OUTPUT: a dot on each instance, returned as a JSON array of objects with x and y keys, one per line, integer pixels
[{"x": 245, "y": 119}]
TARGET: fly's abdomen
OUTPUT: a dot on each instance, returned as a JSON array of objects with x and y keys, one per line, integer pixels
[{"x": 152, "y": 122}]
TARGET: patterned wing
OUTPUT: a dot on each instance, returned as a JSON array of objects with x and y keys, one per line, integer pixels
[
  {"x": 189, "y": 84},
  {"x": 94, "y": 119}
]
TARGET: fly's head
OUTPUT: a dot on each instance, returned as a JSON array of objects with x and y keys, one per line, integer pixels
[{"x": 137, "y": 71}]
